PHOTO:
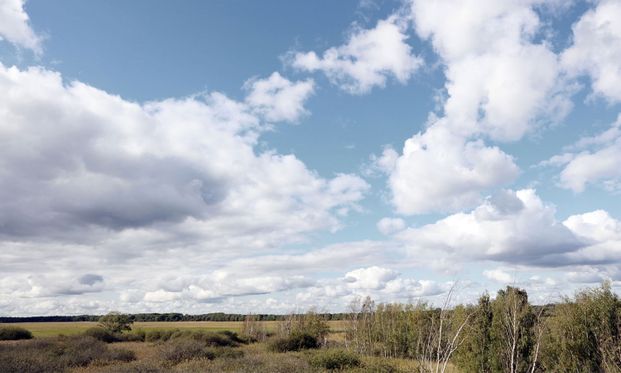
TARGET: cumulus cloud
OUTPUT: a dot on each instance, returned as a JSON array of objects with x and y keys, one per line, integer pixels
[
  {"x": 439, "y": 171},
  {"x": 597, "y": 226},
  {"x": 15, "y": 27},
  {"x": 380, "y": 283},
  {"x": 509, "y": 227},
  {"x": 89, "y": 180},
  {"x": 74, "y": 157},
  {"x": 370, "y": 278},
  {"x": 596, "y": 49},
  {"x": 501, "y": 83},
  {"x": 277, "y": 98},
  {"x": 368, "y": 59},
  {"x": 595, "y": 160}
]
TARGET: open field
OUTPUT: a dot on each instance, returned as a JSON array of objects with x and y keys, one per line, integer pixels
[{"x": 51, "y": 329}]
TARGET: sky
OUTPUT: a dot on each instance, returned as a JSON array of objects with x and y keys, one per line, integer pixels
[{"x": 269, "y": 157}]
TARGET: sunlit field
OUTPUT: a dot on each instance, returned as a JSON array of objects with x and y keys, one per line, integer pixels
[{"x": 51, "y": 329}]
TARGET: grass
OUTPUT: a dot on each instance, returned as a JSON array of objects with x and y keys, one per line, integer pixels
[{"x": 51, "y": 329}]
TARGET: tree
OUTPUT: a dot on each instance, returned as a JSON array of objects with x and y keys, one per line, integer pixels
[
  {"x": 475, "y": 353},
  {"x": 584, "y": 333},
  {"x": 116, "y": 322},
  {"x": 512, "y": 331}
]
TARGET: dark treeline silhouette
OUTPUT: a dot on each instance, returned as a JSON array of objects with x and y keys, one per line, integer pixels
[{"x": 138, "y": 317}]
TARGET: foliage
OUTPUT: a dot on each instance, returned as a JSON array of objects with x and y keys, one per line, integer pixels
[
  {"x": 583, "y": 334},
  {"x": 335, "y": 360},
  {"x": 13, "y": 333},
  {"x": 178, "y": 350},
  {"x": 102, "y": 334},
  {"x": 294, "y": 342},
  {"x": 214, "y": 339},
  {"x": 116, "y": 322},
  {"x": 58, "y": 354},
  {"x": 253, "y": 329}
]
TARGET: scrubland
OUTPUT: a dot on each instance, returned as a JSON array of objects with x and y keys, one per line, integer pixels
[{"x": 504, "y": 333}]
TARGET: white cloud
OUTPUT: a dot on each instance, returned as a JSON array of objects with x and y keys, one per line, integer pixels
[
  {"x": 277, "y": 98},
  {"x": 500, "y": 81},
  {"x": 89, "y": 180},
  {"x": 596, "y": 49},
  {"x": 14, "y": 26},
  {"x": 499, "y": 275},
  {"x": 370, "y": 278},
  {"x": 595, "y": 161},
  {"x": 367, "y": 60},
  {"x": 390, "y": 225},
  {"x": 509, "y": 227},
  {"x": 597, "y": 226},
  {"x": 95, "y": 160},
  {"x": 439, "y": 171},
  {"x": 160, "y": 296},
  {"x": 501, "y": 84}
]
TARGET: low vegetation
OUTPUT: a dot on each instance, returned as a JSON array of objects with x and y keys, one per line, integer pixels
[
  {"x": 501, "y": 334},
  {"x": 14, "y": 333}
]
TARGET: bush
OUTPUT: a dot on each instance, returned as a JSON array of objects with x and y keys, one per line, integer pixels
[
  {"x": 57, "y": 355},
  {"x": 101, "y": 334},
  {"x": 13, "y": 333},
  {"x": 115, "y": 322},
  {"x": 181, "y": 349},
  {"x": 217, "y": 339},
  {"x": 295, "y": 342},
  {"x": 335, "y": 360}
]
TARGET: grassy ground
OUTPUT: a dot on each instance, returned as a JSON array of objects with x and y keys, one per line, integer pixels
[
  {"x": 51, "y": 329},
  {"x": 154, "y": 357}
]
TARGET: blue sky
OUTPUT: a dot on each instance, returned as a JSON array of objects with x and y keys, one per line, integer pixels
[{"x": 269, "y": 157}]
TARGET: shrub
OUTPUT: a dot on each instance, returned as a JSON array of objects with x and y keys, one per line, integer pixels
[
  {"x": 115, "y": 322},
  {"x": 217, "y": 339},
  {"x": 57, "y": 355},
  {"x": 181, "y": 349},
  {"x": 335, "y": 360},
  {"x": 101, "y": 334},
  {"x": 12, "y": 333},
  {"x": 294, "y": 342}
]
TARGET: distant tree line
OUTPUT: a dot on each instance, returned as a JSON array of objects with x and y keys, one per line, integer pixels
[{"x": 138, "y": 317}]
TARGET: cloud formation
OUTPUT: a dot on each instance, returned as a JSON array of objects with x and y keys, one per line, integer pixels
[
  {"x": 15, "y": 27},
  {"x": 596, "y": 49},
  {"x": 593, "y": 160},
  {"x": 368, "y": 59},
  {"x": 501, "y": 83}
]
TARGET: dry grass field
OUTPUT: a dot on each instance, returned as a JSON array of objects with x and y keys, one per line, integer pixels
[{"x": 50, "y": 329}]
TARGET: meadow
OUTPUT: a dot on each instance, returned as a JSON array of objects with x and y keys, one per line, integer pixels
[
  {"x": 52, "y": 329},
  {"x": 495, "y": 335}
]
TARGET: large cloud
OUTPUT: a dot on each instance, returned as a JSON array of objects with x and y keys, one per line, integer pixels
[
  {"x": 14, "y": 25},
  {"x": 596, "y": 49},
  {"x": 74, "y": 157},
  {"x": 89, "y": 180},
  {"x": 367, "y": 60},
  {"x": 501, "y": 84},
  {"x": 509, "y": 227},
  {"x": 439, "y": 171}
]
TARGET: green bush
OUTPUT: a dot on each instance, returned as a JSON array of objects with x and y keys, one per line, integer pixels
[
  {"x": 181, "y": 349},
  {"x": 58, "y": 354},
  {"x": 12, "y": 333},
  {"x": 102, "y": 334},
  {"x": 214, "y": 339},
  {"x": 116, "y": 322},
  {"x": 335, "y": 360},
  {"x": 294, "y": 342}
]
